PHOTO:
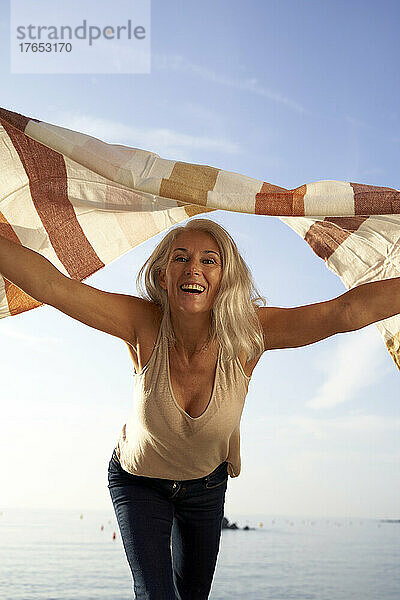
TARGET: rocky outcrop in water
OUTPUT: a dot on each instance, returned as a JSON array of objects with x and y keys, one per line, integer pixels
[{"x": 227, "y": 525}]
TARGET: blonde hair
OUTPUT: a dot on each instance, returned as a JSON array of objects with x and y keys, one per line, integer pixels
[{"x": 234, "y": 320}]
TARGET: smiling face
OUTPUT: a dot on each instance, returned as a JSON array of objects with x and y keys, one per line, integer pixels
[{"x": 194, "y": 258}]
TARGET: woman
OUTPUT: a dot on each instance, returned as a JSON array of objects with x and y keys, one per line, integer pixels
[{"x": 194, "y": 344}]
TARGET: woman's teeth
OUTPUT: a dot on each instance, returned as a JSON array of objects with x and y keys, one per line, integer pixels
[{"x": 192, "y": 289}]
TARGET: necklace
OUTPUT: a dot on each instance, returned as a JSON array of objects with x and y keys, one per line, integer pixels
[{"x": 204, "y": 347}]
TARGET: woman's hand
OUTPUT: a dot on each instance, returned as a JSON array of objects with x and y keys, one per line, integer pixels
[{"x": 357, "y": 308}]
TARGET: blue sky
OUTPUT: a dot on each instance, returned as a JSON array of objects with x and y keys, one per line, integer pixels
[{"x": 287, "y": 92}]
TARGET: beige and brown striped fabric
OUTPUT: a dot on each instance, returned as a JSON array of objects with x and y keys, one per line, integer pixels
[{"x": 82, "y": 203}]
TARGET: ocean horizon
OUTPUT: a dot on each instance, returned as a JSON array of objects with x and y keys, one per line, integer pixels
[{"x": 50, "y": 554}]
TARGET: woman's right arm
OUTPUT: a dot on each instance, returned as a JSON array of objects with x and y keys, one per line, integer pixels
[{"x": 116, "y": 314}]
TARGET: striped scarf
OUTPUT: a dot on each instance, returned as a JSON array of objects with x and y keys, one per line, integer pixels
[{"x": 82, "y": 203}]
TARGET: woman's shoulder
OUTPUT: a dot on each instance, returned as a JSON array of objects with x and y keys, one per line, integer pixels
[
  {"x": 142, "y": 315},
  {"x": 147, "y": 320}
]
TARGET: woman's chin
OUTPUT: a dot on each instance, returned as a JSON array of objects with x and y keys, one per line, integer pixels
[{"x": 191, "y": 307}]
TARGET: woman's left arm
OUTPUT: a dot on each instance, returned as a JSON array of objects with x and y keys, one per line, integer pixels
[
  {"x": 372, "y": 302},
  {"x": 357, "y": 308}
]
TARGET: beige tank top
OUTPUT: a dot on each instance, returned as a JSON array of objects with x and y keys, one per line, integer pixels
[{"x": 162, "y": 440}]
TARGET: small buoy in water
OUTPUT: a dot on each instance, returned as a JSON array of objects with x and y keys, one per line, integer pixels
[
  {"x": 102, "y": 528},
  {"x": 81, "y": 517},
  {"x": 114, "y": 535}
]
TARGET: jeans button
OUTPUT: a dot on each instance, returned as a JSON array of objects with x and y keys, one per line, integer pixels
[{"x": 174, "y": 486}]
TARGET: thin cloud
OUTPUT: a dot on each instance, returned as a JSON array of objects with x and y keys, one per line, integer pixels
[
  {"x": 354, "y": 364},
  {"x": 294, "y": 429},
  {"x": 357, "y": 122},
  {"x": 179, "y": 63},
  {"x": 374, "y": 171},
  {"x": 328, "y": 428},
  {"x": 8, "y": 331},
  {"x": 161, "y": 140}
]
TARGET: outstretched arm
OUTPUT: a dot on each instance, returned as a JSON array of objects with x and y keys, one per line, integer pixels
[
  {"x": 357, "y": 308},
  {"x": 120, "y": 315}
]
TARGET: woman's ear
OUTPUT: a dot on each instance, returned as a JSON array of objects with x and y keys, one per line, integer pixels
[{"x": 161, "y": 279}]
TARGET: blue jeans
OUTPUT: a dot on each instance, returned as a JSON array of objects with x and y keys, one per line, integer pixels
[{"x": 170, "y": 530}]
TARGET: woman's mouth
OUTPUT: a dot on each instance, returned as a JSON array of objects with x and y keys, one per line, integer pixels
[{"x": 193, "y": 289}]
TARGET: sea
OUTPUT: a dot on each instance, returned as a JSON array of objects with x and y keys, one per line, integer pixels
[{"x": 68, "y": 555}]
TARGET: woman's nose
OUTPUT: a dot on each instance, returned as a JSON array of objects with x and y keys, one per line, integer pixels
[{"x": 192, "y": 267}]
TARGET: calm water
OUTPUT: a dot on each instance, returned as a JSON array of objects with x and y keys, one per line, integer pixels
[{"x": 54, "y": 555}]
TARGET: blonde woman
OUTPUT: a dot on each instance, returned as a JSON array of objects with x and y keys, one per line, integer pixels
[{"x": 194, "y": 342}]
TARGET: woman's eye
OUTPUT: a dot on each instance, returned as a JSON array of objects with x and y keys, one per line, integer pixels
[{"x": 210, "y": 260}]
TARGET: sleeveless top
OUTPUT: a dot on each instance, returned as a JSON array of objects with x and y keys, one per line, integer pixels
[{"x": 162, "y": 440}]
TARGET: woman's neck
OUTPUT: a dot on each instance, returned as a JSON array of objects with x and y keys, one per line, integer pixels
[{"x": 192, "y": 334}]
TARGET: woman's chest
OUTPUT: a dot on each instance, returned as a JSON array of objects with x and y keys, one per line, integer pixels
[
  {"x": 192, "y": 387},
  {"x": 142, "y": 353},
  {"x": 204, "y": 400},
  {"x": 195, "y": 404}
]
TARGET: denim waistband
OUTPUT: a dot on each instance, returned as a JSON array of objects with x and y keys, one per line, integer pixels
[{"x": 221, "y": 467}]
